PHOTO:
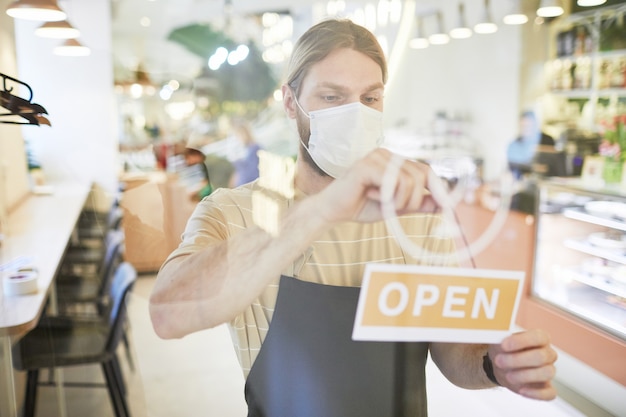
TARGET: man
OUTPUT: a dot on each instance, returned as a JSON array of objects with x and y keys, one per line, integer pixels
[
  {"x": 521, "y": 152},
  {"x": 228, "y": 269}
]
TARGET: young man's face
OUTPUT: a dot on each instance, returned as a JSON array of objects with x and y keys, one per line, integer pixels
[{"x": 345, "y": 76}]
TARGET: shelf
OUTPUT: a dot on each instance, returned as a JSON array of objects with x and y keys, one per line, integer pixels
[
  {"x": 578, "y": 186},
  {"x": 590, "y": 15},
  {"x": 589, "y": 304},
  {"x": 600, "y": 282},
  {"x": 585, "y": 247},
  {"x": 588, "y": 94},
  {"x": 617, "y": 53},
  {"x": 582, "y": 215}
]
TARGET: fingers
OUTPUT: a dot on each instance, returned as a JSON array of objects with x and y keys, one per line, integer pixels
[
  {"x": 530, "y": 382},
  {"x": 545, "y": 391},
  {"x": 409, "y": 185},
  {"x": 524, "y": 363},
  {"x": 525, "y": 340},
  {"x": 538, "y": 356}
]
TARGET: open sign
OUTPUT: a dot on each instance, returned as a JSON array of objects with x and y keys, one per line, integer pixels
[{"x": 418, "y": 303}]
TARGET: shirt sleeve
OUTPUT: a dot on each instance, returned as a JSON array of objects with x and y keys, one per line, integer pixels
[{"x": 207, "y": 226}]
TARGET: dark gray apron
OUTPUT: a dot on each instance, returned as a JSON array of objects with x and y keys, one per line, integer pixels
[{"x": 309, "y": 366}]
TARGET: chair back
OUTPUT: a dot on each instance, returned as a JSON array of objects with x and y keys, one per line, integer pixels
[
  {"x": 114, "y": 218},
  {"x": 112, "y": 258},
  {"x": 123, "y": 281}
]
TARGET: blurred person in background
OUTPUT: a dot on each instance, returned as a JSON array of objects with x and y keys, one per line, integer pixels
[
  {"x": 247, "y": 165},
  {"x": 521, "y": 152},
  {"x": 194, "y": 174}
]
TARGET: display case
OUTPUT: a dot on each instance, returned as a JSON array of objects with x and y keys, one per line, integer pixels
[
  {"x": 580, "y": 260},
  {"x": 578, "y": 286}
]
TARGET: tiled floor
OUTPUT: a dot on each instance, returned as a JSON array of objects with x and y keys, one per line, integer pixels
[{"x": 199, "y": 375}]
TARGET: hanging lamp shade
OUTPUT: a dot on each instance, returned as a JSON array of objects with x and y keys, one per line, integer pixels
[
  {"x": 72, "y": 47},
  {"x": 461, "y": 30},
  {"x": 486, "y": 24},
  {"x": 420, "y": 41},
  {"x": 515, "y": 16},
  {"x": 41, "y": 10},
  {"x": 439, "y": 37},
  {"x": 57, "y": 30},
  {"x": 138, "y": 85},
  {"x": 550, "y": 8},
  {"x": 141, "y": 77},
  {"x": 589, "y": 3}
]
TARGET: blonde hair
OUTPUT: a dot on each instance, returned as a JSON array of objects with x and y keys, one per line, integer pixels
[{"x": 323, "y": 38}]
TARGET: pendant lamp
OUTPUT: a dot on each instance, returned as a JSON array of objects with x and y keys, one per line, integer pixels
[
  {"x": 461, "y": 31},
  {"x": 57, "y": 30},
  {"x": 515, "y": 16},
  {"x": 589, "y": 3},
  {"x": 439, "y": 37},
  {"x": 41, "y": 10},
  {"x": 550, "y": 8},
  {"x": 72, "y": 47},
  {"x": 486, "y": 25},
  {"x": 419, "y": 41}
]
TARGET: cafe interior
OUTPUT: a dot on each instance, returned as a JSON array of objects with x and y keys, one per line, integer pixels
[{"x": 99, "y": 100}]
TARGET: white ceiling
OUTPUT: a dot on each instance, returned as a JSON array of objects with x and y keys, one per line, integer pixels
[{"x": 134, "y": 43}]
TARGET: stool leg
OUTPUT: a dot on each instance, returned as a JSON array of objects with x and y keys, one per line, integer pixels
[
  {"x": 115, "y": 365},
  {"x": 129, "y": 355},
  {"x": 30, "y": 400},
  {"x": 117, "y": 398}
]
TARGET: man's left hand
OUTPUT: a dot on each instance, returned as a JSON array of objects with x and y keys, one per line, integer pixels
[{"x": 524, "y": 363}]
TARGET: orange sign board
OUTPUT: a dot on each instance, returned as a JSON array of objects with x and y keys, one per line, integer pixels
[{"x": 417, "y": 303}]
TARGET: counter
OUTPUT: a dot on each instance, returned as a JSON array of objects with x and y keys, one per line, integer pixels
[{"x": 39, "y": 229}]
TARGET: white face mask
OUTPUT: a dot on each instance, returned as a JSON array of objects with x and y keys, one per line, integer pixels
[{"x": 342, "y": 135}]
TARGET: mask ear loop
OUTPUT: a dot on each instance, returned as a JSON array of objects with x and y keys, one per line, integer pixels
[
  {"x": 444, "y": 200},
  {"x": 295, "y": 99}
]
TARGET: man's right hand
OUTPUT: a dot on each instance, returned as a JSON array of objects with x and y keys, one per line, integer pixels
[{"x": 357, "y": 195}]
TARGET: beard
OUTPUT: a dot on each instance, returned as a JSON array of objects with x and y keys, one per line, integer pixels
[{"x": 304, "y": 132}]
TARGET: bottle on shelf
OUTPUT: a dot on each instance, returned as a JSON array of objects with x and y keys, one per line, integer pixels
[
  {"x": 566, "y": 75},
  {"x": 554, "y": 75},
  {"x": 580, "y": 42},
  {"x": 618, "y": 73},
  {"x": 604, "y": 75},
  {"x": 582, "y": 73}
]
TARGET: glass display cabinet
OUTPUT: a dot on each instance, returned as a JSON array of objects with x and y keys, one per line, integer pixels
[{"x": 580, "y": 258}]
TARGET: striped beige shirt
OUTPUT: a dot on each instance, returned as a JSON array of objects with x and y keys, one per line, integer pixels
[{"x": 338, "y": 257}]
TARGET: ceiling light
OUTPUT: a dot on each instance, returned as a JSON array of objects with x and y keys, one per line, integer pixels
[
  {"x": 461, "y": 31},
  {"x": 515, "y": 19},
  {"x": 550, "y": 8},
  {"x": 589, "y": 3},
  {"x": 57, "y": 30},
  {"x": 419, "y": 41},
  {"x": 41, "y": 10},
  {"x": 486, "y": 24},
  {"x": 72, "y": 47},
  {"x": 439, "y": 37},
  {"x": 515, "y": 16}
]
